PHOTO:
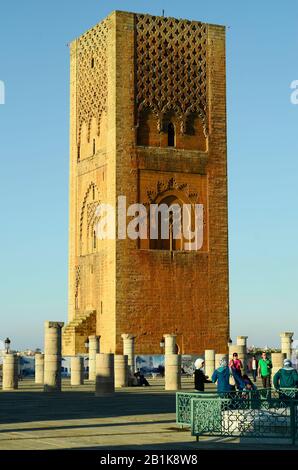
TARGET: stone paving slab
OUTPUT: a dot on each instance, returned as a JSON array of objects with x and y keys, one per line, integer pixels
[{"x": 135, "y": 418}]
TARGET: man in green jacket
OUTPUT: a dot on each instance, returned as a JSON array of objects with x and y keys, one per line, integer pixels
[
  {"x": 287, "y": 377},
  {"x": 265, "y": 366}
]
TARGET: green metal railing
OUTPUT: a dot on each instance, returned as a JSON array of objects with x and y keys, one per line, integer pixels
[
  {"x": 239, "y": 399},
  {"x": 223, "y": 417},
  {"x": 183, "y": 400}
]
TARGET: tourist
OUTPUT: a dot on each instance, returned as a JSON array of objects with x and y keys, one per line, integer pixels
[
  {"x": 141, "y": 379},
  {"x": 253, "y": 367},
  {"x": 236, "y": 366},
  {"x": 200, "y": 377},
  {"x": 221, "y": 375},
  {"x": 248, "y": 385},
  {"x": 287, "y": 377},
  {"x": 265, "y": 366}
]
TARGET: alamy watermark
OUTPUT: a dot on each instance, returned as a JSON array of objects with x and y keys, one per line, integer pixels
[
  {"x": 2, "y": 92},
  {"x": 183, "y": 222},
  {"x": 294, "y": 94}
]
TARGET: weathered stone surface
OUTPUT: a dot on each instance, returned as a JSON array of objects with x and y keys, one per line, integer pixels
[
  {"x": 94, "y": 348},
  {"x": 77, "y": 370},
  {"x": 105, "y": 379},
  {"x": 118, "y": 147},
  {"x": 52, "y": 356},
  {"x": 121, "y": 370},
  {"x": 10, "y": 372},
  {"x": 172, "y": 372},
  {"x": 286, "y": 343},
  {"x": 39, "y": 368}
]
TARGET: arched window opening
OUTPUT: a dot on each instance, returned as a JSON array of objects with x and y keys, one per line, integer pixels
[
  {"x": 171, "y": 135},
  {"x": 94, "y": 148},
  {"x": 94, "y": 239},
  {"x": 170, "y": 242}
]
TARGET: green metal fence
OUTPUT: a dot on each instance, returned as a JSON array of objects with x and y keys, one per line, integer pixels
[
  {"x": 240, "y": 399},
  {"x": 183, "y": 400},
  {"x": 226, "y": 417}
]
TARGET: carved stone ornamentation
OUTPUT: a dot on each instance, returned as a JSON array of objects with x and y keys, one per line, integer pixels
[
  {"x": 92, "y": 76},
  {"x": 171, "y": 68}
]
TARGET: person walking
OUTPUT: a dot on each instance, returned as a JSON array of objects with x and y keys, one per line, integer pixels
[
  {"x": 287, "y": 377},
  {"x": 200, "y": 378},
  {"x": 236, "y": 366},
  {"x": 253, "y": 367},
  {"x": 221, "y": 376},
  {"x": 264, "y": 369}
]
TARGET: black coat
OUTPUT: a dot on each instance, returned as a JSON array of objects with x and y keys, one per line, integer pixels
[{"x": 200, "y": 380}]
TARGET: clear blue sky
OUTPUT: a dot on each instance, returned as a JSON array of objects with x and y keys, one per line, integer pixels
[{"x": 262, "y": 61}]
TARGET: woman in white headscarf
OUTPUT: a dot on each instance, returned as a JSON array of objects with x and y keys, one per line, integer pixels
[{"x": 200, "y": 377}]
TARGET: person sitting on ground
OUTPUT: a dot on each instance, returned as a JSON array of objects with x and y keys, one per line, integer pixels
[
  {"x": 287, "y": 377},
  {"x": 222, "y": 377},
  {"x": 200, "y": 377},
  {"x": 141, "y": 380},
  {"x": 248, "y": 385}
]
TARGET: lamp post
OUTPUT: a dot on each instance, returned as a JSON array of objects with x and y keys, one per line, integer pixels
[
  {"x": 7, "y": 345},
  {"x": 162, "y": 343}
]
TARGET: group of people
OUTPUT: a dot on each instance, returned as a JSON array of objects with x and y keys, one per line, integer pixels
[{"x": 229, "y": 376}]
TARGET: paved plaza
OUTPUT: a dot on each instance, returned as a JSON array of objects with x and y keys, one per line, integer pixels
[{"x": 134, "y": 418}]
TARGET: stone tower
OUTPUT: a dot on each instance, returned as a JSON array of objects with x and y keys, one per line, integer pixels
[{"x": 148, "y": 121}]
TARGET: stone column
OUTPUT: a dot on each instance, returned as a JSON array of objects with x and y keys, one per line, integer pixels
[
  {"x": 52, "y": 356},
  {"x": 241, "y": 350},
  {"x": 10, "y": 372},
  {"x": 77, "y": 370},
  {"x": 209, "y": 362},
  {"x": 129, "y": 351},
  {"x": 286, "y": 343},
  {"x": 277, "y": 362},
  {"x": 218, "y": 358},
  {"x": 94, "y": 348},
  {"x": 105, "y": 381},
  {"x": 39, "y": 368},
  {"x": 172, "y": 372},
  {"x": 121, "y": 370},
  {"x": 170, "y": 344},
  {"x": 242, "y": 341}
]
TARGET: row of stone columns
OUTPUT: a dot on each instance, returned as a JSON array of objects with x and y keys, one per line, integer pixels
[{"x": 110, "y": 371}]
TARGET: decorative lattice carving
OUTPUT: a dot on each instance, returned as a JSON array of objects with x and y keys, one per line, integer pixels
[
  {"x": 92, "y": 76},
  {"x": 89, "y": 208},
  {"x": 91, "y": 215},
  {"x": 169, "y": 185},
  {"x": 171, "y": 67},
  {"x": 78, "y": 279}
]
